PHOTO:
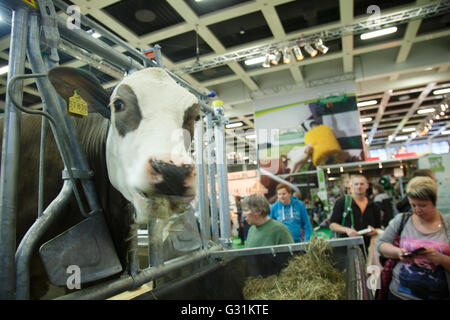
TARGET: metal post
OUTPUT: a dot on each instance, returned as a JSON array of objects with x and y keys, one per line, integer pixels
[
  {"x": 210, "y": 161},
  {"x": 158, "y": 55},
  {"x": 201, "y": 190},
  {"x": 225, "y": 221},
  {"x": 10, "y": 157}
]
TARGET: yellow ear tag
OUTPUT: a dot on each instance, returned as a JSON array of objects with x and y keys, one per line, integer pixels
[{"x": 77, "y": 106}]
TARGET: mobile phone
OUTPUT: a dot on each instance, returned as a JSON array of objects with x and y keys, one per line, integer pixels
[{"x": 413, "y": 253}]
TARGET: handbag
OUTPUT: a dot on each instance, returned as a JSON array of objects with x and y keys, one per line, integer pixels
[{"x": 389, "y": 264}]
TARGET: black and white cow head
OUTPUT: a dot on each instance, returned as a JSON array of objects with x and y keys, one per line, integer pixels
[{"x": 151, "y": 118}]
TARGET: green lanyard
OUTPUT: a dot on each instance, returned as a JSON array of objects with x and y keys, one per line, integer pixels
[{"x": 347, "y": 210}]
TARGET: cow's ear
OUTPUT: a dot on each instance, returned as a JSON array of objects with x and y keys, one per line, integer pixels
[{"x": 68, "y": 80}]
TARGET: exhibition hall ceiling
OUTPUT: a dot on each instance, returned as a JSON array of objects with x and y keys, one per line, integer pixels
[{"x": 207, "y": 43}]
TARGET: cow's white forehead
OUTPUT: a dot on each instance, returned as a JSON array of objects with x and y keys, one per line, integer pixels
[{"x": 154, "y": 87}]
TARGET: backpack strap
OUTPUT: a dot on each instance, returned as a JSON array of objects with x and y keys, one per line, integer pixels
[
  {"x": 405, "y": 217},
  {"x": 348, "y": 210}
]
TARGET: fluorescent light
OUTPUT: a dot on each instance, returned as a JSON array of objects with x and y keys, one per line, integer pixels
[
  {"x": 408, "y": 129},
  {"x": 367, "y": 103},
  {"x": 445, "y": 132},
  {"x": 4, "y": 69},
  {"x": 441, "y": 91},
  {"x": 378, "y": 33},
  {"x": 256, "y": 60},
  {"x": 401, "y": 138},
  {"x": 368, "y": 119},
  {"x": 423, "y": 111},
  {"x": 251, "y": 136},
  {"x": 234, "y": 125}
]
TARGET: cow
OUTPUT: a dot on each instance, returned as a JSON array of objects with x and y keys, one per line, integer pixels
[
  {"x": 134, "y": 147},
  {"x": 286, "y": 164},
  {"x": 297, "y": 157}
]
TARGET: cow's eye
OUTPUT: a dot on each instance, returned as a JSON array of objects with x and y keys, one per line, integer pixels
[{"x": 119, "y": 105}]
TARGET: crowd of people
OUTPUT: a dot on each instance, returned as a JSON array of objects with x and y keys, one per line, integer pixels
[{"x": 414, "y": 235}]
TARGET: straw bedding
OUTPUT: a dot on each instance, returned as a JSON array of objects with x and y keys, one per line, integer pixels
[{"x": 308, "y": 276}]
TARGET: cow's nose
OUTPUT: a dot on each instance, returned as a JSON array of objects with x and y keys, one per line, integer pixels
[{"x": 171, "y": 178}]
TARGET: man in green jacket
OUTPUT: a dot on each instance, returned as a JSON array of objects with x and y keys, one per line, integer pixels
[{"x": 264, "y": 231}]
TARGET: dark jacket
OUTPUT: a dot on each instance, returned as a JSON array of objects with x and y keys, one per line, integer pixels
[{"x": 371, "y": 217}]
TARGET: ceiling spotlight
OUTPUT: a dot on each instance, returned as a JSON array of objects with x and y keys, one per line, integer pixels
[
  {"x": 312, "y": 52},
  {"x": 276, "y": 58},
  {"x": 320, "y": 46},
  {"x": 298, "y": 53},
  {"x": 341, "y": 169},
  {"x": 328, "y": 170},
  {"x": 380, "y": 165},
  {"x": 266, "y": 63},
  {"x": 286, "y": 55}
]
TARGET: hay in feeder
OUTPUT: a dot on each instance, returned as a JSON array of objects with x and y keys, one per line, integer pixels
[{"x": 308, "y": 276}]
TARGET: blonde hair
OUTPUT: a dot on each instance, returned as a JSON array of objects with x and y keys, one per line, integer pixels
[{"x": 422, "y": 188}]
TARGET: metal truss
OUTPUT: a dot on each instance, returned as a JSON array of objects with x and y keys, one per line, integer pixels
[{"x": 397, "y": 18}]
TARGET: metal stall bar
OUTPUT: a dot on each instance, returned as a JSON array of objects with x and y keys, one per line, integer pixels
[
  {"x": 84, "y": 40},
  {"x": 221, "y": 164},
  {"x": 10, "y": 157},
  {"x": 210, "y": 161},
  {"x": 136, "y": 53},
  {"x": 28, "y": 243},
  {"x": 107, "y": 34},
  {"x": 202, "y": 191},
  {"x": 111, "y": 288},
  {"x": 284, "y": 248},
  {"x": 55, "y": 104},
  {"x": 31, "y": 238}
]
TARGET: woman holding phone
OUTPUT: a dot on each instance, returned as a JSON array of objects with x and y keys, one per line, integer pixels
[{"x": 423, "y": 270}]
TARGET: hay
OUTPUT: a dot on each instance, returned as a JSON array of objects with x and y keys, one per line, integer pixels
[{"x": 308, "y": 276}]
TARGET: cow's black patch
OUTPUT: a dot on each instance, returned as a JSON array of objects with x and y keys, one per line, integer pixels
[
  {"x": 173, "y": 177},
  {"x": 190, "y": 116},
  {"x": 126, "y": 110}
]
